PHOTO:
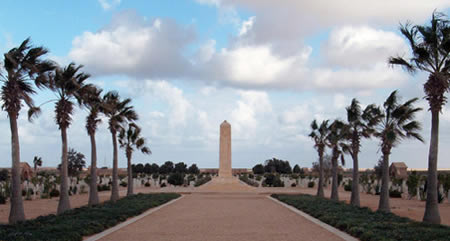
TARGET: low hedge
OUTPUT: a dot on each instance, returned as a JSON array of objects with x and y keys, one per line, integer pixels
[
  {"x": 362, "y": 222},
  {"x": 202, "y": 181},
  {"x": 83, "y": 221},
  {"x": 250, "y": 182}
]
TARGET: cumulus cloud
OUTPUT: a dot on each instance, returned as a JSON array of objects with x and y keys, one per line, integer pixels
[
  {"x": 361, "y": 47},
  {"x": 134, "y": 46}
]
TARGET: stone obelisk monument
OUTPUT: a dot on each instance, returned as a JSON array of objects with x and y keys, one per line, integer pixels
[{"x": 225, "y": 150}]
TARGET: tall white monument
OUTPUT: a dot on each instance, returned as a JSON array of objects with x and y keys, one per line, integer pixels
[{"x": 225, "y": 150}]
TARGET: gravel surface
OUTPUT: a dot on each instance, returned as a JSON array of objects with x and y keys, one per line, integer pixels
[{"x": 224, "y": 217}]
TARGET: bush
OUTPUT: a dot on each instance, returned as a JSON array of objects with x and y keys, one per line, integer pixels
[
  {"x": 104, "y": 187},
  {"x": 395, "y": 194},
  {"x": 2, "y": 199},
  {"x": 251, "y": 176},
  {"x": 258, "y": 178},
  {"x": 363, "y": 223},
  {"x": 176, "y": 179},
  {"x": 147, "y": 184},
  {"x": 202, "y": 180},
  {"x": 311, "y": 184},
  {"x": 293, "y": 185},
  {"x": 163, "y": 184},
  {"x": 348, "y": 186},
  {"x": 273, "y": 180},
  {"x": 4, "y": 175},
  {"x": 85, "y": 221},
  {"x": 54, "y": 193},
  {"x": 123, "y": 184}
]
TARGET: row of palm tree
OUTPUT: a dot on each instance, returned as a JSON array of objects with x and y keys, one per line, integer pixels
[
  {"x": 25, "y": 68},
  {"x": 391, "y": 123},
  {"x": 430, "y": 45}
]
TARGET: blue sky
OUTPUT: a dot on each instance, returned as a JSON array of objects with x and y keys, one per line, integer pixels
[{"x": 268, "y": 67}]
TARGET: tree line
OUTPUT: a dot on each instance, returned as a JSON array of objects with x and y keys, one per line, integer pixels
[
  {"x": 394, "y": 120},
  {"x": 26, "y": 70},
  {"x": 166, "y": 168}
]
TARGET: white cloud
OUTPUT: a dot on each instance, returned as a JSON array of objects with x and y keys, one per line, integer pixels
[
  {"x": 131, "y": 45},
  {"x": 108, "y": 4},
  {"x": 362, "y": 47}
]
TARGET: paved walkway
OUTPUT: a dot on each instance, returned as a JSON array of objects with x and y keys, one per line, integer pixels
[{"x": 223, "y": 217}]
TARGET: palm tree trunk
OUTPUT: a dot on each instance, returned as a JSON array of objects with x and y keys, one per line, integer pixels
[
  {"x": 130, "y": 176},
  {"x": 115, "y": 177},
  {"x": 93, "y": 193},
  {"x": 16, "y": 212},
  {"x": 64, "y": 203},
  {"x": 320, "y": 186},
  {"x": 334, "y": 184},
  {"x": 383, "y": 205},
  {"x": 431, "y": 208},
  {"x": 354, "y": 199}
]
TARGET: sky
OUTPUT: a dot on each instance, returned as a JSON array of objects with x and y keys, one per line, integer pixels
[{"x": 267, "y": 67}]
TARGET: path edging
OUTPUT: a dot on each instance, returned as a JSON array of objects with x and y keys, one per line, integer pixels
[
  {"x": 328, "y": 227},
  {"x": 129, "y": 221}
]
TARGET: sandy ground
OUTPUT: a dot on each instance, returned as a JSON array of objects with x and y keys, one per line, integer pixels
[
  {"x": 222, "y": 217},
  {"x": 408, "y": 208},
  {"x": 38, "y": 207}
]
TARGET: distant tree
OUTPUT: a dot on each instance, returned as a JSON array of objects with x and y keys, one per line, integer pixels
[
  {"x": 278, "y": 166},
  {"x": 326, "y": 168},
  {"x": 176, "y": 179},
  {"x": 4, "y": 175},
  {"x": 37, "y": 162},
  {"x": 180, "y": 167},
  {"x": 76, "y": 162},
  {"x": 378, "y": 169},
  {"x": 296, "y": 169},
  {"x": 258, "y": 169},
  {"x": 193, "y": 169},
  {"x": 166, "y": 168},
  {"x": 148, "y": 168},
  {"x": 154, "y": 168},
  {"x": 139, "y": 168}
]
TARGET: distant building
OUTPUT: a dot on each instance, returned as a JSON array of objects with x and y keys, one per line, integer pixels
[
  {"x": 398, "y": 170},
  {"x": 26, "y": 172}
]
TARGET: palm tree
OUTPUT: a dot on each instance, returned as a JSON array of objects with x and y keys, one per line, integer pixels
[
  {"x": 430, "y": 53},
  {"x": 130, "y": 140},
  {"x": 360, "y": 125},
  {"x": 118, "y": 112},
  {"x": 93, "y": 102},
  {"x": 68, "y": 85},
  {"x": 397, "y": 124},
  {"x": 319, "y": 134},
  {"x": 336, "y": 140},
  {"x": 23, "y": 66},
  {"x": 37, "y": 161}
]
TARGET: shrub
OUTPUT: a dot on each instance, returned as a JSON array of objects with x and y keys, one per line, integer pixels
[
  {"x": 123, "y": 184},
  {"x": 258, "y": 178},
  {"x": 73, "y": 224},
  {"x": 273, "y": 180},
  {"x": 311, "y": 184},
  {"x": 348, "y": 186},
  {"x": 4, "y": 175},
  {"x": 395, "y": 194},
  {"x": 202, "y": 180},
  {"x": 103, "y": 187},
  {"x": 176, "y": 179},
  {"x": 147, "y": 184},
  {"x": 251, "y": 176},
  {"x": 363, "y": 223},
  {"x": 293, "y": 185},
  {"x": 412, "y": 183},
  {"x": 2, "y": 199},
  {"x": 163, "y": 184},
  {"x": 54, "y": 193}
]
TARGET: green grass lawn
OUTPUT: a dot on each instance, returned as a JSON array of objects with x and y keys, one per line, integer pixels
[
  {"x": 363, "y": 223},
  {"x": 83, "y": 221}
]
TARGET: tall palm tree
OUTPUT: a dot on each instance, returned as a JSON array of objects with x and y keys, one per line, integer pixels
[
  {"x": 360, "y": 125},
  {"x": 397, "y": 124},
  {"x": 336, "y": 139},
  {"x": 319, "y": 134},
  {"x": 119, "y": 113},
  {"x": 430, "y": 47},
  {"x": 68, "y": 85},
  {"x": 93, "y": 102},
  {"x": 23, "y": 66},
  {"x": 37, "y": 162},
  {"x": 131, "y": 139}
]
